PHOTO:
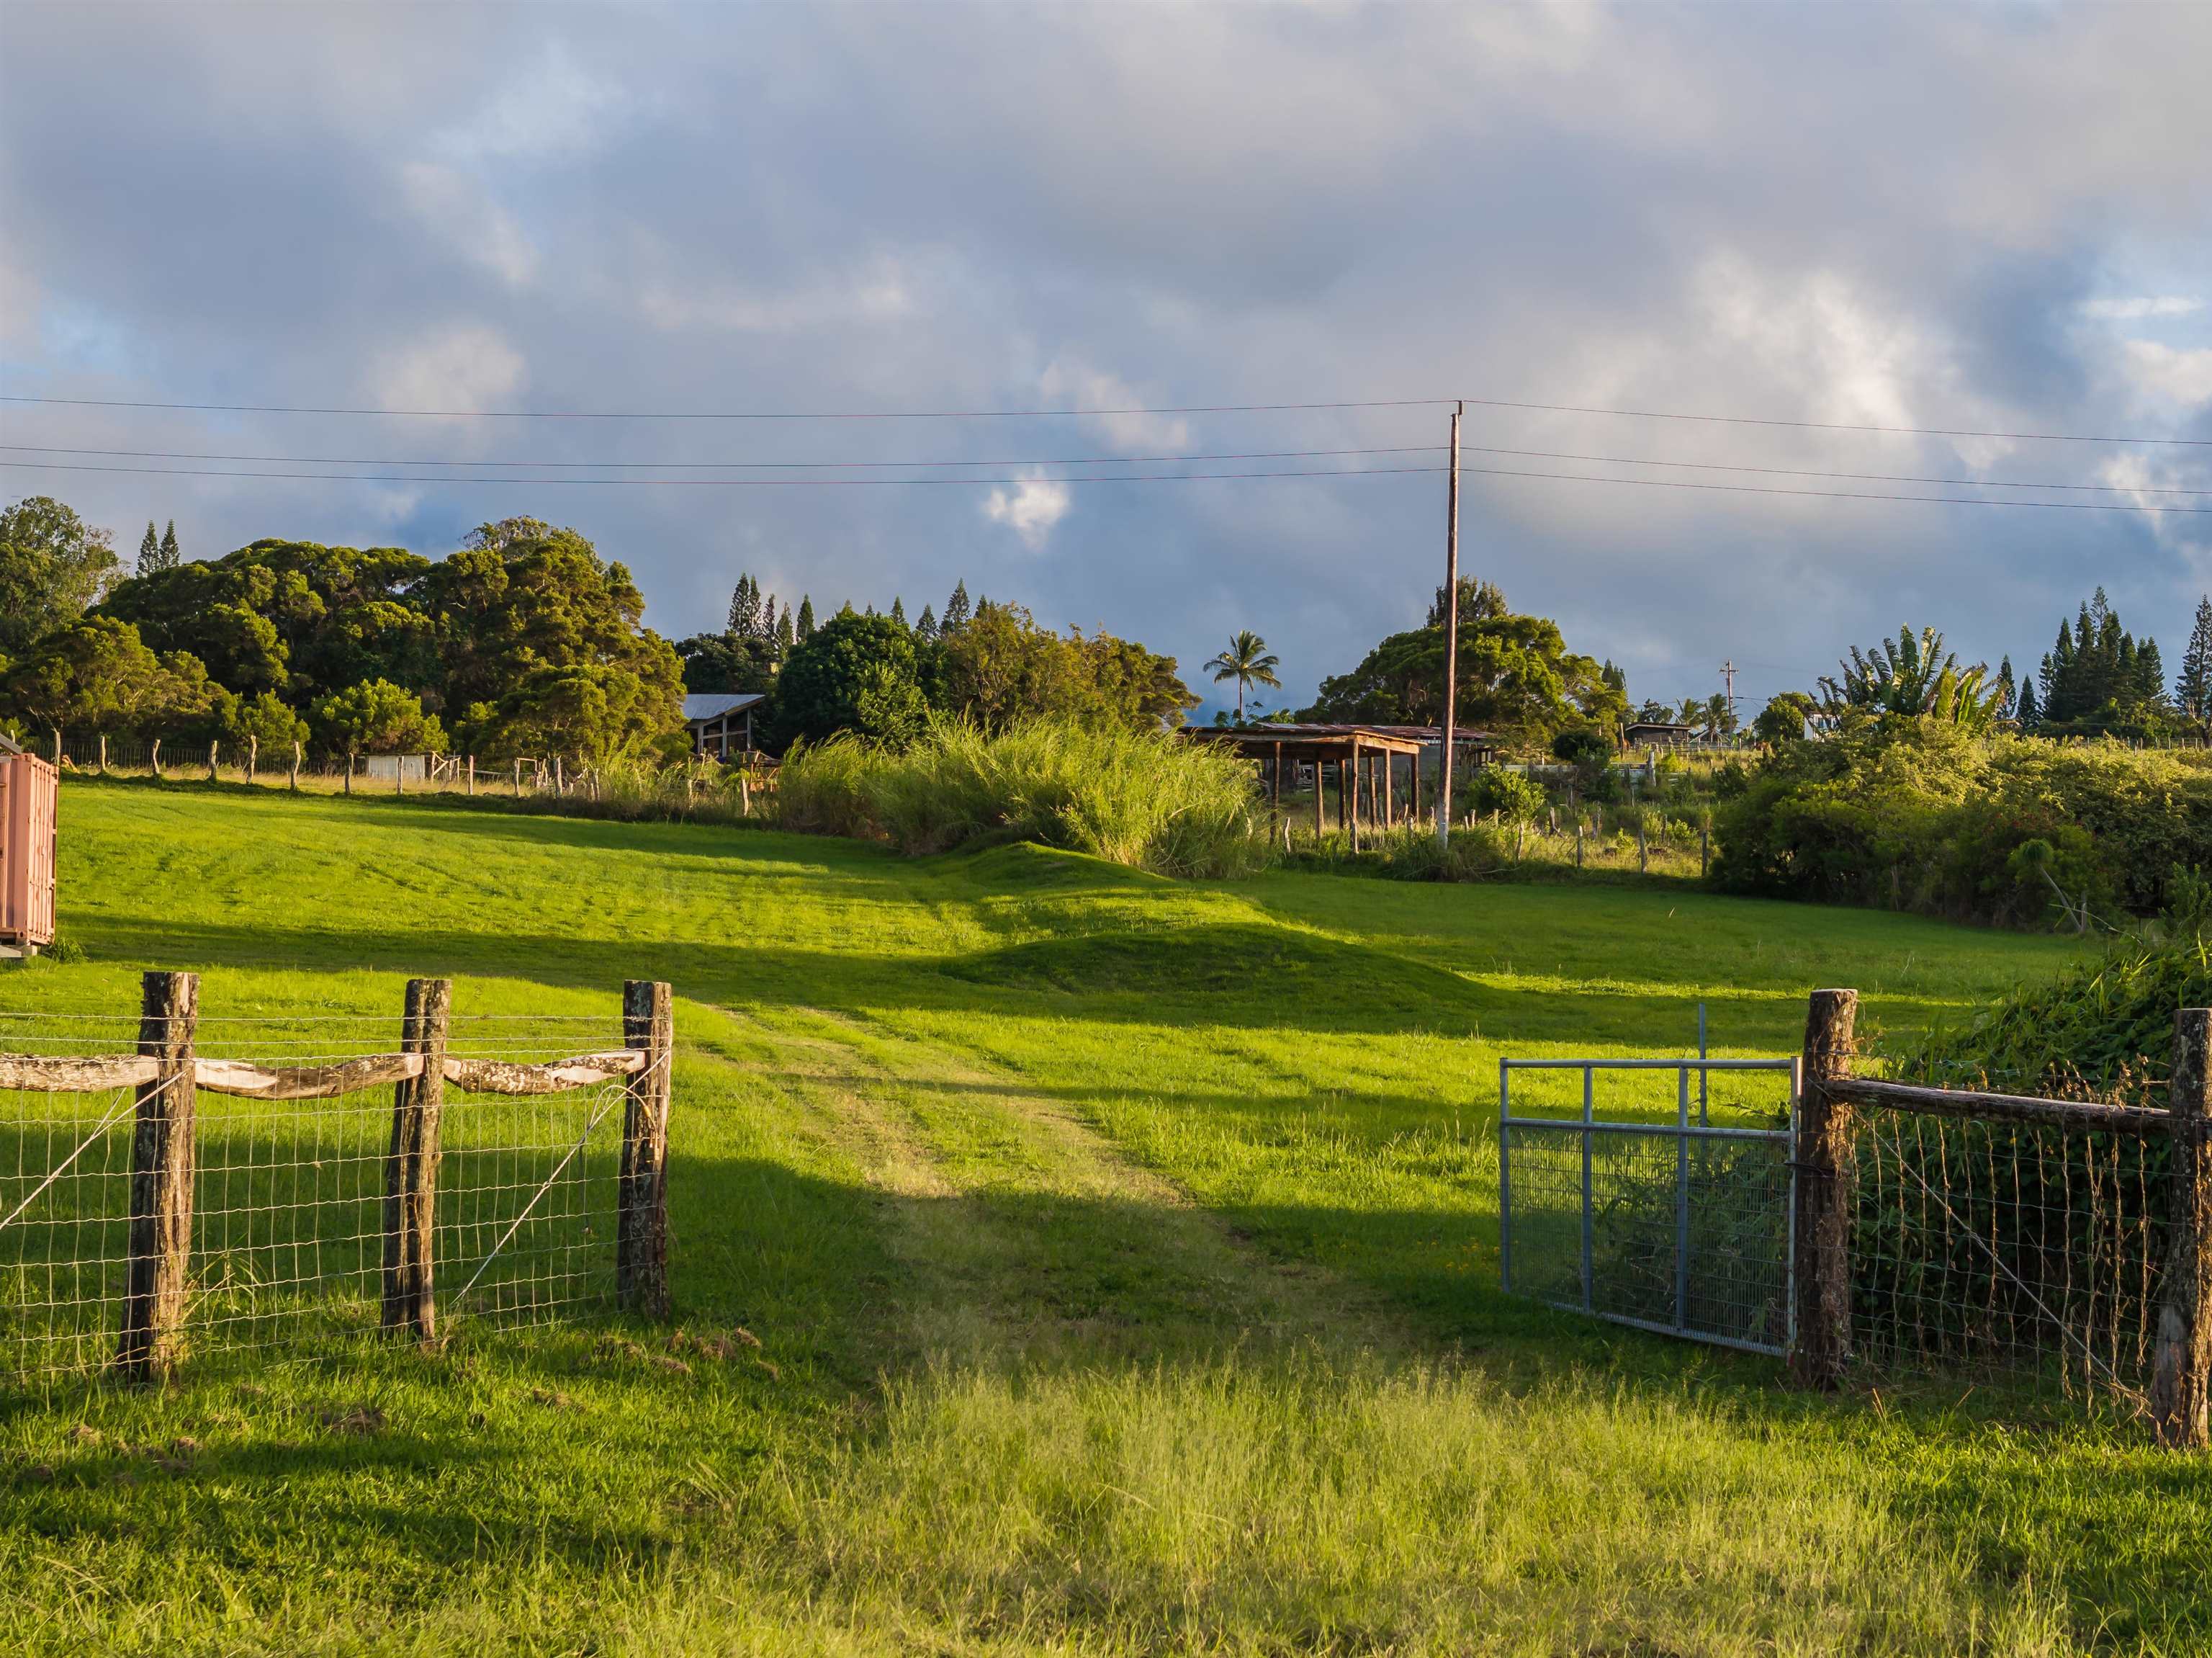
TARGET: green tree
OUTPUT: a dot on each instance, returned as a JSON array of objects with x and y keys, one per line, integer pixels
[
  {"x": 785, "y": 637},
  {"x": 150, "y": 551},
  {"x": 2024, "y": 710},
  {"x": 593, "y": 711},
  {"x": 957, "y": 610},
  {"x": 171, "y": 556},
  {"x": 805, "y": 627},
  {"x": 265, "y": 719},
  {"x": 53, "y": 567},
  {"x": 2192, "y": 687},
  {"x": 97, "y": 674},
  {"x": 745, "y": 609},
  {"x": 376, "y": 717},
  {"x": 1516, "y": 677},
  {"x": 725, "y": 662},
  {"x": 1783, "y": 719},
  {"x": 1914, "y": 675},
  {"x": 898, "y": 610},
  {"x": 926, "y": 629},
  {"x": 1001, "y": 668},
  {"x": 1247, "y": 661},
  {"x": 853, "y": 673},
  {"x": 2098, "y": 675}
]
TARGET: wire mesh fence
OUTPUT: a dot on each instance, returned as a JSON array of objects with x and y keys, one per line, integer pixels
[
  {"x": 2032, "y": 1256},
  {"x": 291, "y": 1177}
]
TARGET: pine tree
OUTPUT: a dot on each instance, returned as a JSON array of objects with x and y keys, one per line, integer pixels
[
  {"x": 898, "y": 610},
  {"x": 767, "y": 618},
  {"x": 745, "y": 609},
  {"x": 2009, "y": 698},
  {"x": 957, "y": 610},
  {"x": 2147, "y": 684},
  {"x": 784, "y": 637},
  {"x": 806, "y": 625},
  {"x": 150, "y": 551},
  {"x": 2192, "y": 687},
  {"x": 171, "y": 558},
  {"x": 2025, "y": 712},
  {"x": 927, "y": 627}
]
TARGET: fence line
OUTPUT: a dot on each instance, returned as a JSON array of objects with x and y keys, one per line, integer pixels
[{"x": 161, "y": 1199}]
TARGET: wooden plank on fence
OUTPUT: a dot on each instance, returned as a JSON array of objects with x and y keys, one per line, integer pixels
[
  {"x": 410, "y": 1170},
  {"x": 2181, "y": 1369},
  {"x": 160, "y": 1182},
  {"x": 498, "y": 1077},
  {"x": 2081, "y": 1115},
  {"x": 40, "y": 1073},
  {"x": 305, "y": 1081},
  {"x": 1821, "y": 1245},
  {"x": 641, "y": 1239}
]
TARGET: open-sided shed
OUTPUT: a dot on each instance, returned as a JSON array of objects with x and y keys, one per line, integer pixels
[{"x": 1378, "y": 768}]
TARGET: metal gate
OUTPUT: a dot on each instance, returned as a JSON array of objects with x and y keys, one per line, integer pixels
[{"x": 1681, "y": 1226}]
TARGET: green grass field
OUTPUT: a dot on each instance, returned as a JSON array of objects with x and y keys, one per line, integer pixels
[{"x": 1123, "y": 1259}]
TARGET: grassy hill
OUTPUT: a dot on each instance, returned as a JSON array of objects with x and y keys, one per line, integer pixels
[{"x": 1122, "y": 1255}]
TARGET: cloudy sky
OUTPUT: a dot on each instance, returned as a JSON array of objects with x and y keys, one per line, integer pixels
[{"x": 1986, "y": 219}]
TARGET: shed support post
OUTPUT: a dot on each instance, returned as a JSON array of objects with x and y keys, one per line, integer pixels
[
  {"x": 1352, "y": 792},
  {"x": 160, "y": 1182},
  {"x": 410, "y": 1169},
  {"x": 1822, "y": 1247},
  {"x": 2181, "y": 1370},
  {"x": 1319, "y": 822},
  {"x": 642, "y": 1240}
]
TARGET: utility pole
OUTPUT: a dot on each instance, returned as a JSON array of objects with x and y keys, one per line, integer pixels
[
  {"x": 1728, "y": 680},
  {"x": 1451, "y": 637}
]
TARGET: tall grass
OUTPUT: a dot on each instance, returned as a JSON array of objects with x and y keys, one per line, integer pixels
[{"x": 1148, "y": 799}]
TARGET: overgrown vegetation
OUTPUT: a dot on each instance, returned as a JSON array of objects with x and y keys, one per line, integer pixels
[
  {"x": 1916, "y": 814},
  {"x": 1143, "y": 798}
]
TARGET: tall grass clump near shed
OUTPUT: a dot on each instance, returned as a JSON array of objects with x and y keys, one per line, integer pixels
[{"x": 1147, "y": 799}]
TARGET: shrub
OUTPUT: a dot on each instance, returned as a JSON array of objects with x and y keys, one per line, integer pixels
[
  {"x": 1918, "y": 814},
  {"x": 1513, "y": 795},
  {"x": 1147, "y": 799},
  {"x": 1583, "y": 744}
]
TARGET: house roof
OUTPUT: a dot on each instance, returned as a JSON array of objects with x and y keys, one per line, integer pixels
[{"x": 712, "y": 705}]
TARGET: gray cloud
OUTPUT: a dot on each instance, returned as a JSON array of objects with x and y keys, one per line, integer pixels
[{"x": 1985, "y": 217}]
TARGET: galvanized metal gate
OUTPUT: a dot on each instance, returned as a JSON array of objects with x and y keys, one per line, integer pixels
[{"x": 1681, "y": 1226}]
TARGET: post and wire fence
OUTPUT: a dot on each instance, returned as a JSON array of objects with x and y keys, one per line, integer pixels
[
  {"x": 179, "y": 1187},
  {"x": 1876, "y": 1230}
]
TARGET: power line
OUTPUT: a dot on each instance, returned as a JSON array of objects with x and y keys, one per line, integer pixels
[
  {"x": 701, "y": 466},
  {"x": 1106, "y": 460},
  {"x": 1127, "y": 478},
  {"x": 1832, "y": 425},
  {"x": 624, "y": 414},
  {"x": 1039, "y": 414}
]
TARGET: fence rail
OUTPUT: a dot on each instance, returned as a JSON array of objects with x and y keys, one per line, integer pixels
[{"x": 163, "y": 1201}]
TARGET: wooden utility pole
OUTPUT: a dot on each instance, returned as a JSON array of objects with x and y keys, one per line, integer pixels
[{"x": 1451, "y": 636}]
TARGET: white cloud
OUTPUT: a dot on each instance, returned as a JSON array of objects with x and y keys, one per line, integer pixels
[
  {"x": 879, "y": 294},
  {"x": 464, "y": 367},
  {"x": 553, "y": 109},
  {"x": 2141, "y": 307},
  {"x": 461, "y": 212},
  {"x": 1030, "y": 511},
  {"x": 1070, "y": 384},
  {"x": 2184, "y": 376}
]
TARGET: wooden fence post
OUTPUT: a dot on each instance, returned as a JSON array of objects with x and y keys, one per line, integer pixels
[
  {"x": 410, "y": 1170},
  {"x": 1821, "y": 1248},
  {"x": 641, "y": 1239},
  {"x": 473, "y": 775},
  {"x": 252, "y": 757},
  {"x": 157, "y": 757},
  {"x": 2182, "y": 1369},
  {"x": 349, "y": 780},
  {"x": 296, "y": 757},
  {"x": 160, "y": 1182},
  {"x": 212, "y": 744},
  {"x": 103, "y": 754}
]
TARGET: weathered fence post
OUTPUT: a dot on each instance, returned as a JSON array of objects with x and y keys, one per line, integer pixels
[
  {"x": 2182, "y": 1369},
  {"x": 297, "y": 755},
  {"x": 103, "y": 754},
  {"x": 411, "y": 1171},
  {"x": 1578, "y": 841},
  {"x": 1821, "y": 1248},
  {"x": 1705, "y": 850},
  {"x": 641, "y": 1239},
  {"x": 473, "y": 774},
  {"x": 157, "y": 757},
  {"x": 349, "y": 777},
  {"x": 252, "y": 757},
  {"x": 518, "y": 778},
  {"x": 212, "y": 744},
  {"x": 1643, "y": 856},
  {"x": 160, "y": 1182}
]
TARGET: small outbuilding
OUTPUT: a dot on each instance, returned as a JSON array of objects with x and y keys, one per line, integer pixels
[
  {"x": 30, "y": 796},
  {"x": 1658, "y": 733},
  {"x": 721, "y": 722},
  {"x": 1380, "y": 769}
]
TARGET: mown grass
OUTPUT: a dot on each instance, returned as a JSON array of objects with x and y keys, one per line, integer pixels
[{"x": 1123, "y": 1258}]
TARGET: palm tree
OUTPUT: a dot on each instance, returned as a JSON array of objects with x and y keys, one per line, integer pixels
[{"x": 1247, "y": 661}]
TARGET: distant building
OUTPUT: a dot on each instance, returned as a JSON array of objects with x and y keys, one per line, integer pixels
[
  {"x": 721, "y": 722},
  {"x": 1658, "y": 733}
]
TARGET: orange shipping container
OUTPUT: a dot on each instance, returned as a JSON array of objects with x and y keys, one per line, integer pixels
[{"x": 29, "y": 796}]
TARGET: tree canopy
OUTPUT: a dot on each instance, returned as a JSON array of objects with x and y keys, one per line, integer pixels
[{"x": 53, "y": 566}]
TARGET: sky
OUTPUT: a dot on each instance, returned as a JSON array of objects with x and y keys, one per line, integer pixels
[{"x": 1979, "y": 218}]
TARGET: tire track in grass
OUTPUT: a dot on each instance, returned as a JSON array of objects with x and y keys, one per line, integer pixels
[{"x": 1029, "y": 1235}]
